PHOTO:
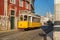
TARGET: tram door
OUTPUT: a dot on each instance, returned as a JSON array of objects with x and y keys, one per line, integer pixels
[{"x": 12, "y": 19}]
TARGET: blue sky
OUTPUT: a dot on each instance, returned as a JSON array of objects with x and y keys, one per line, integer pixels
[{"x": 43, "y": 6}]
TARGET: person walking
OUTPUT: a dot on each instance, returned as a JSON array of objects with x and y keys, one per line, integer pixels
[{"x": 49, "y": 23}]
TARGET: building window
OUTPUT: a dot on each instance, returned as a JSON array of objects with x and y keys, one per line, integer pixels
[
  {"x": 21, "y": 3},
  {"x": 13, "y": 1},
  {"x": 12, "y": 12}
]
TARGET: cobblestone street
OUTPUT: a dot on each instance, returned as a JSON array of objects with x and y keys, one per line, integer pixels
[{"x": 26, "y": 35}]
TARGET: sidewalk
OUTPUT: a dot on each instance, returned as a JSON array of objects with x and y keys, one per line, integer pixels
[{"x": 7, "y": 31}]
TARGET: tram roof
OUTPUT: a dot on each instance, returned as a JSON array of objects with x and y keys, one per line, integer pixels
[{"x": 33, "y": 15}]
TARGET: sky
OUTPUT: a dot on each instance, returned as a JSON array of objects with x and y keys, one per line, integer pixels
[{"x": 44, "y": 6}]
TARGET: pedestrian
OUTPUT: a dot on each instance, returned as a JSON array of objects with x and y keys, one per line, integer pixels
[{"x": 49, "y": 23}]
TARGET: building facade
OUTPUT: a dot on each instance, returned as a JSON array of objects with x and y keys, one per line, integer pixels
[
  {"x": 10, "y": 10},
  {"x": 56, "y": 33},
  {"x": 57, "y": 12}
]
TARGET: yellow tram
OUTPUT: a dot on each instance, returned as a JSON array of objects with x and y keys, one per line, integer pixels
[{"x": 29, "y": 21}]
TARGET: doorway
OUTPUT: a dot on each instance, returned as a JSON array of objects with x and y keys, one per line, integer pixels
[{"x": 12, "y": 19}]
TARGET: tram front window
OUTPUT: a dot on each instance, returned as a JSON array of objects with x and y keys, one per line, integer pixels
[
  {"x": 21, "y": 18},
  {"x": 25, "y": 18}
]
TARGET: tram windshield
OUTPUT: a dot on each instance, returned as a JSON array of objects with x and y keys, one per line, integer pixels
[
  {"x": 21, "y": 18},
  {"x": 25, "y": 17}
]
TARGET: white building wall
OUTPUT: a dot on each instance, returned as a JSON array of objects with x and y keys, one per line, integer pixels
[
  {"x": 57, "y": 1},
  {"x": 57, "y": 10},
  {"x": 5, "y": 17},
  {"x": 56, "y": 33}
]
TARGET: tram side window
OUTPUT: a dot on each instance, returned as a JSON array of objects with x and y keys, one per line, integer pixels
[
  {"x": 33, "y": 19},
  {"x": 25, "y": 18},
  {"x": 21, "y": 17},
  {"x": 36, "y": 19}
]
